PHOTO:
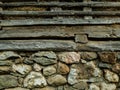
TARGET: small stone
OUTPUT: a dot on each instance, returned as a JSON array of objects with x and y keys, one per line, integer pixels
[
  {"x": 69, "y": 87},
  {"x": 45, "y": 88},
  {"x": 88, "y": 55},
  {"x": 116, "y": 68},
  {"x": 105, "y": 65},
  {"x": 5, "y": 63},
  {"x": 8, "y": 54},
  {"x": 95, "y": 79},
  {"x": 108, "y": 57},
  {"x": 37, "y": 67},
  {"x": 21, "y": 68},
  {"x": 56, "y": 80},
  {"x": 28, "y": 61},
  {"x": 110, "y": 76},
  {"x": 69, "y": 57},
  {"x": 17, "y": 88},
  {"x": 94, "y": 87},
  {"x": 49, "y": 70},
  {"x": 63, "y": 68},
  {"x": 8, "y": 81},
  {"x": 45, "y": 58},
  {"x": 105, "y": 86},
  {"x": 81, "y": 86},
  {"x": 34, "y": 79},
  {"x": 5, "y": 69}
]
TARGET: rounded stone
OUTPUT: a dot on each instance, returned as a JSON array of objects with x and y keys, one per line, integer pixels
[
  {"x": 88, "y": 55},
  {"x": 49, "y": 70},
  {"x": 111, "y": 76},
  {"x": 62, "y": 68},
  {"x": 56, "y": 80},
  {"x": 69, "y": 57}
]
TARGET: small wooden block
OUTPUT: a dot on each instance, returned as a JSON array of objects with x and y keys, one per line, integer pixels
[{"x": 81, "y": 38}]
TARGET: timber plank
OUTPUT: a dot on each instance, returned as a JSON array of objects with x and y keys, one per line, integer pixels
[
  {"x": 28, "y": 22},
  {"x": 62, "y": 4},
  {"x": 60, "y": 13},
  {"x": 36, "y": 45}
]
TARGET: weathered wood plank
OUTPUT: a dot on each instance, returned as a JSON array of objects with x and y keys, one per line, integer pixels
[
  {"x": 63, "y": 4},
  {"x": 60, "y": 13},
  {"x": 100, "y": 46},
  {"x": 36, "y": 45},
  {"x": 61, "y": 31},
  {"x": 29, "y": 22}
]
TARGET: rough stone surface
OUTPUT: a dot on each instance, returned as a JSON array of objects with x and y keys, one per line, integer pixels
[
  {"x": 110, "y": 76},
  {"x": 34, "y": 79},
  {"x": 45, "y": 58},
  {"x": 116, "y": 68},
  {"x": 37, "y": 67},
  {"x": 63, "y": 68},
  {"x": 18, "y": 88},
  {"x": 21, "y": 68},
  {"x": 45, "y": 88},
  {"x": 108, "y": 57},
  {"x": 88, "y": 55},
  {"x": 8, "y": 54},
  {"x": 105, "y": 86},
  {"x": 6, "y": 63},
  {"x": 8, "y": 81},
  {"x": 94, "y": 87},
  {"x": 49, "y": 70},
  {"x": 105, "y": 65},
  {"x": 5, "y": 69},
  {"x": 69, "y": 57},
  {"x": 56, "y": 80}
]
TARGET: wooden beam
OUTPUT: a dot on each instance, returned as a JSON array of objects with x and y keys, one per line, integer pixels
[
  {"x": 33, "y": 22},
  {"x": 62, "y": 4},
  {"x": 60, "y": 13},
  {"x": 36, "y": 45}
]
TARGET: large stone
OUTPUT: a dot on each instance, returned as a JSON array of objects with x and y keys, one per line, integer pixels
[
  {"x": 56, "y": 80},
  {"x": 69, "y": 57},
  {"x": 8, "y": 81},
  {"x": 8, "y": 54},
  {"x": 62, "y": 68},
  {"x": 108, "y": 57},
  {"x": 88, "y": 55},
  {"x": 94, "y": 87},
  {"x": 116, "y": 68},
  {"x": 45, "y": 58},
  {"x": 17, "y": 88},
  {"x": 21, "y": 68},
  {"x": 45, "y": 88},
  {"x": 34, "y": 79},
  {"x": 111, "y": 76},
  {"x": 105, "y": 86},
  {"x": 49, "y": 70}
]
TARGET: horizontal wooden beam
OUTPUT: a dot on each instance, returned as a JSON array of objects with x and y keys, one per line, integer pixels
[
  {"x": 36, "y": 45},
  {"x": 60, "y": 13},
  {"x": 28, "y": 22},
  {"x": 63, "y": 4}
]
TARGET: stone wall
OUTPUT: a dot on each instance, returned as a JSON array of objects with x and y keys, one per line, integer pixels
[{"x": 48, "y": 70}]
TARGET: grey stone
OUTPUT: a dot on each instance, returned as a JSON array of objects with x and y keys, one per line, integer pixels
[
  {"x": 94, "y": 87},
  {"x": 49, "y": 70},
  {"x": 21, "y": 68},
  {"x": 28, "y": 61},
  {"x": 69, "y": 57},
  {"x": 45, "y": 58},
  {"x": 37, "y": 67},
  {"x": 105, "y": 86},
  {"x": 8, "y": 81},
  {"x": 105, "y": 65},
  {"x": 5, "y": 63},
  {"x": 56, "y": 80},
  {"x": 111, "y": 76},
  {"x": 95, "y": 79},
  {"x": 34, "y": 79},
  {"x": 8, "y": 54},
  {"x": 88, "y": 55}
]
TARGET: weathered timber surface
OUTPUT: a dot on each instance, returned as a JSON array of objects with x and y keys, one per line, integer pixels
[
  {"x": 100, "y": 46},
  {"x": 29, "y": 22},
  {"x": 63, "y": 4},
  {"x": 60, "y": 13},
  {"x": 36, "y": 45},
  {"x": 100, "y": 31}
]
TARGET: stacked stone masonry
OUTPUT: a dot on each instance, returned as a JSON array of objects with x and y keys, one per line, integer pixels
[{"x": 48, "y": 70}]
